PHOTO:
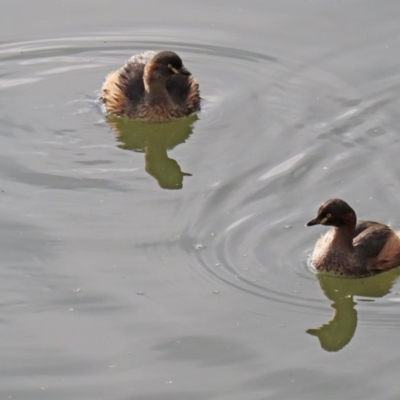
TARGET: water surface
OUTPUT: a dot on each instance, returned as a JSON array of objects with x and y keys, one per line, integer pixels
[{"x": 170, "y": 262}]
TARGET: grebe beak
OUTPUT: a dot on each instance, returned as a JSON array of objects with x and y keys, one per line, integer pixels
[{"x": 314, "y": 221}]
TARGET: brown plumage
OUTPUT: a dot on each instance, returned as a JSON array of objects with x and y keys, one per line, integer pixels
[
  {"x": 151, "y": 87},
  {"x": 351, "y": 248}
]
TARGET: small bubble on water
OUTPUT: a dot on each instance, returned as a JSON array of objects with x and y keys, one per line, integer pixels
[
  {"x": 212, "y": 234},
  {"x": 216, "y": 291},
  {"x": 199, "y": 246},
  {"x": 78, "y": 290},
  {"x": 140, "y": 293},
  {"x": 244, "y": 255},
  {"x": 217, "y": 264}
]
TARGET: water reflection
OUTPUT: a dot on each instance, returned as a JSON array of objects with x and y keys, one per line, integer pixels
[
  {"x": 338, "y": 332},
  {"x": 154, "y": 140}
]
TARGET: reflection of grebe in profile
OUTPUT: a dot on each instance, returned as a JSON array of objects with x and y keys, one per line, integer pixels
[
  {"x": 338, "y": 332},
  {"x": 155, "y": 139}
]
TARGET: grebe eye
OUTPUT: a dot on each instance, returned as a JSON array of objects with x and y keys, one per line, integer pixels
[
  {"x": 169, "y": 66},
  {"x": 328, "y": 215}
]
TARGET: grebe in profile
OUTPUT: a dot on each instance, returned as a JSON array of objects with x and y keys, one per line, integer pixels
[
  {"x": 151, "y": 87},
  {"x": 352, "y": 248}
]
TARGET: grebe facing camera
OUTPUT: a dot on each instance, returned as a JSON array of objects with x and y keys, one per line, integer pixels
[{"x": 151, "y": 87}]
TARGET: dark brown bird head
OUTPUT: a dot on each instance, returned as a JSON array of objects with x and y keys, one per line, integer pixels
[
  {"x": 334, "y": 212},
  {"x": 163, "y": 65}
]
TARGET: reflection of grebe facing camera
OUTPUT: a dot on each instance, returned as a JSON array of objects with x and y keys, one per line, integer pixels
[
  {"x": 350, "y": 248},
  {"x": 155, "y": 139},
  {"x": 151, "y": 87},
  {"x": 165, "y": 170}
]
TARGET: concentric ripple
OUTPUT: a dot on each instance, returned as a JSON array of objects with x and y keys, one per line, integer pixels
[{"x": 301, "y": 142}]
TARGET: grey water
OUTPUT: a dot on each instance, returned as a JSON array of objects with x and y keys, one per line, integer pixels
[{"x": 171, "y": 262}]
